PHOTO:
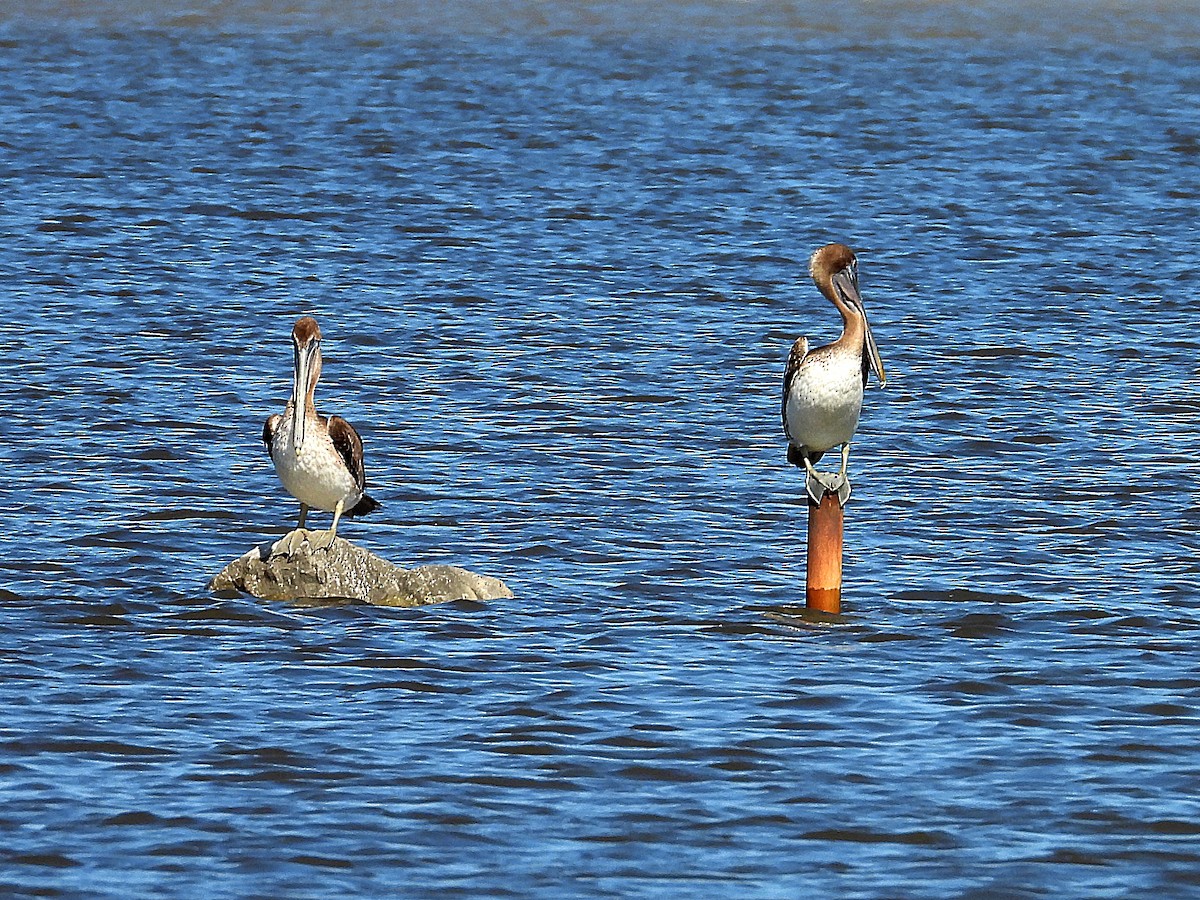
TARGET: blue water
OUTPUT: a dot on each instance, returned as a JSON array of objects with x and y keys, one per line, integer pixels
[{"x": 558, "y": 255}]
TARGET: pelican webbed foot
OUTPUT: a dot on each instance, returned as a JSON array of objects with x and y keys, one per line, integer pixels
[
  {"x": 818, "y": 484},
  {"x": 289, "y": 543},
  {"x": 323, "y": 540}
]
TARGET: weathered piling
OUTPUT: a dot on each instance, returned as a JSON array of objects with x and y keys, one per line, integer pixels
[{"x": 824, "y": 582}]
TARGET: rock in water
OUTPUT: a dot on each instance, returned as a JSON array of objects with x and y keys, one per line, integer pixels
[{"x": 346, "y": 572}]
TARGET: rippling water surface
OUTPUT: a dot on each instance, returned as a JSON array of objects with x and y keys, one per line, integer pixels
[{"x": 558, "y": 253}]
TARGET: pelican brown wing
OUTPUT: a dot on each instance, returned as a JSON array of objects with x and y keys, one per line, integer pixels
[
  {"x": 794, "y": 361},
  {"x": 349, "y": 447},
  {"x": 270, "y": 429}
]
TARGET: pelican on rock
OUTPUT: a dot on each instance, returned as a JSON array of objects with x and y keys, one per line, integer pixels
[
  {"x": 823, "y": 388},
  {"x": 318, "y": 459}
]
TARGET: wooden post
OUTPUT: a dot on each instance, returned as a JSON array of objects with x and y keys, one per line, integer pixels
[{"x": 824, "y": 587}]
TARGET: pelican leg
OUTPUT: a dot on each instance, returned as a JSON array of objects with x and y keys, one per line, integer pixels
[
  {"x": 326, "y": 541},
  {"x": 843, "y": 489},
  {"x": 814, "y": 484},
  {"x": 303, "y": 515}
]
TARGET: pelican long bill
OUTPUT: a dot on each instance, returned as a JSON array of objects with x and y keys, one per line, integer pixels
[
  {"x": 301, "y": 379},
  {"x": 846, "y": 283},
  {"x": 873, "y": 357}
]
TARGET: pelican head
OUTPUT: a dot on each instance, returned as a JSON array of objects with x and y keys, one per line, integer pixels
[
  {"x": 306, "y": 345},
  {"x": 834, "y": 268}
]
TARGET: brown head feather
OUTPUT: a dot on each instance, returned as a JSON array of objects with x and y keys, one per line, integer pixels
[
  {"x": 306, "y": 330},
  {"x": 829, "y": 260}
]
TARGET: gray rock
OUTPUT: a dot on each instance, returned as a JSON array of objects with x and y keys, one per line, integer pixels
[{"x": 346, "y": 572}]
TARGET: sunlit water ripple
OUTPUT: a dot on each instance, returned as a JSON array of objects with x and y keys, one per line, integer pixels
[{"x": 558, "y": 254}]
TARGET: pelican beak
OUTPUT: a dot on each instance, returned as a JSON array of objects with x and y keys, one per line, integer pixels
[
  {"x": 846, "y": 283},
  {"x": 300, "y": 381},
  {"x": 873, "y": 357}
]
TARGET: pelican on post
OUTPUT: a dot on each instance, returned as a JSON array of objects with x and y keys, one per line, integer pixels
[
  {"x": 318, "y": 459},
  {"x": 823, "y": 388}
]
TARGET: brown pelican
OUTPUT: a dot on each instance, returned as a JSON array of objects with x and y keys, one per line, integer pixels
[
  {"x": 823, "y": 388},
  {"x": 319, "y": 460}
]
